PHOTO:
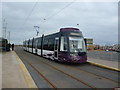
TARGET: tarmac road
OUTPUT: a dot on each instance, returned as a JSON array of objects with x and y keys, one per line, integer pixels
[{"x": 51, "y": 74}]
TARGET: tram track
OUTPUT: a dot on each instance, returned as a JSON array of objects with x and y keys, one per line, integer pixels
[
  {"x": 85, "y": 83},
  {"x": 104, "y": 71},
  {"x": 78, "y": 69},
  {"x": 91, "y": 73},
  {"x": 51, "y": 64},
  {"x": 93, "y": 87},
  {"x": 53, "y": 86},
  {"x": 83, "y": 71}
]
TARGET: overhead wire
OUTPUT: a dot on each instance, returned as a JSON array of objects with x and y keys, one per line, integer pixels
[
  {"x": 49, "y": 17},
  {"x": 56, "y": 13},
  {"x": 60, "y": 10},
  {"x": 27, "y": 18}
]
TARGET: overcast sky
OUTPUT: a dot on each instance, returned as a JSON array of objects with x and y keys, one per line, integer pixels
[{"x": 97, "y": 20}]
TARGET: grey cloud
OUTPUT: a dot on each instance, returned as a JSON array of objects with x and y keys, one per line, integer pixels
[{"x": 96, "y": 20}]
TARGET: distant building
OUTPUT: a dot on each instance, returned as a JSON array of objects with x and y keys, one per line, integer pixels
[{"x": 89, "y": 43}]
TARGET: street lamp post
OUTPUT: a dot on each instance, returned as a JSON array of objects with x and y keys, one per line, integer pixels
[{"x": 9, "y": 36}]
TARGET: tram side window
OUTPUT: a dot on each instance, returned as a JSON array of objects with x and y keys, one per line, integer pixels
[
  {"x": 30, "y": 44},
  {"x": 51, "y": 44},
  {"x": 45, "y": 44},
  {"x": 35, "y": 43},
  {"x": 27, "y": 43},
  {"x": 48, "y": 44},
  {"x": 63, "y": 45},
  {"x": 39, "y": 43}
]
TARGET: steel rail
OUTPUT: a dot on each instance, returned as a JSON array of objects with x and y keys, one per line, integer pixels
[
  {"x": 41, "y": 74},
  {"x": 85, "y": 83},
  {"x": 104, "y": 68},
  {"x": 78, "y": 69},
  {"x": 71, "y": 76}
]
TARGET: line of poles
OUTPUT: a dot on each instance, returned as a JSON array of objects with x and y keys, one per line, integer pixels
[{"x": 4, "y": 32}]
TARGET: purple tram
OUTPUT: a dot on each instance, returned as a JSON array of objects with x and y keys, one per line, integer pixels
[{"x": 67, "y": 45}]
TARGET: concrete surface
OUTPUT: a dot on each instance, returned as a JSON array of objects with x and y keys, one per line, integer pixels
[
  {"x": 112, "y": 64},
  {"x": 64, "y": 75},
  {"x": 12, "y": 74},
  {"x": 14, "y": 77},
  {"x": 104, "y": 55}
]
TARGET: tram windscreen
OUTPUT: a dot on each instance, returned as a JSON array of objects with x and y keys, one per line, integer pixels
[{"x": 77, "y": 44}]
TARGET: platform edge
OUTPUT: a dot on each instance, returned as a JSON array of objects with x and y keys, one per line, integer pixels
[
  {"x": 30, "y": 82},
  {"x": 104, "y": 66}
]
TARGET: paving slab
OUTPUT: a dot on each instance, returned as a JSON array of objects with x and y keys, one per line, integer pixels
[
  {"x": 105, "y": 63},
  {"x": 13, "y": 75}
]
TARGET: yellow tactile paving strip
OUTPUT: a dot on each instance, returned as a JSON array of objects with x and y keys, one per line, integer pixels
[
  {"x": 103, "y": 66},
  {"x": 27, "y": 76}
]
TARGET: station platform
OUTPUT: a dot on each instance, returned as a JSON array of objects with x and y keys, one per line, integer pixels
[
  {"x": 114, "y": 65},
  {"x": 14, "y": 72}
]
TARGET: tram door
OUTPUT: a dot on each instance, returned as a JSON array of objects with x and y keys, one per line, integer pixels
[{"x": 56, "y": 45}]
